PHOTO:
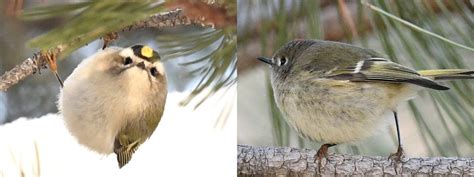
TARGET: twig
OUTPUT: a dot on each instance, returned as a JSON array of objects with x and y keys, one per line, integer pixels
[
  {"x": 38, "y": 60},
  {"x": 249, "y": 41},
  {"x": 250, "y": 49},
  {"x": 214, "y": 14},
  {"x": 414, "y": 27},
  {"x": 168, "y": 19},
  {"x": 284, "y": 161},
  {"x": 19, "y": 72}
]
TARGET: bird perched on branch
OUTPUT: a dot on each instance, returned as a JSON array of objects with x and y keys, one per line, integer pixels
[
  {"x": 114, "y": 100},
  {"x": 335, "y": 93}
]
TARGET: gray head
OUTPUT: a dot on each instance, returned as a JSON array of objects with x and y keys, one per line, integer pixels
[{"x": 314, "y": 56}]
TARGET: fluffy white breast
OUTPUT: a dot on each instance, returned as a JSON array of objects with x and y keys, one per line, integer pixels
[{"x": 95, "y": 103}]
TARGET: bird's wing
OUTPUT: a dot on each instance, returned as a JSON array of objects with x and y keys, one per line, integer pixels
[
  {"x": 124, "y": 147},
  {"x": 382, "y": 70}
]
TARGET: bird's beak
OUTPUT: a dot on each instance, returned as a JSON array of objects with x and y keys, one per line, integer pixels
[
  {"x": 141, "y": 65},
  {"x": 265, "y": 60}
]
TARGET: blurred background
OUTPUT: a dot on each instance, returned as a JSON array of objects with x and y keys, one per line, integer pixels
[
  {"x": 200, "y": 62},
  {"x": 433, "y": 124}
]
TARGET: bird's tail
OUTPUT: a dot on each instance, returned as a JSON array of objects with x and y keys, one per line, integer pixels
[{"x": 448, "y": 74}]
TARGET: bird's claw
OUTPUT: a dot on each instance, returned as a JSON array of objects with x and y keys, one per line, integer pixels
[
  {"x": 397, "y": 159},
  {"x": 322, "y": 153},
  {"x": 397, "y": 156}
]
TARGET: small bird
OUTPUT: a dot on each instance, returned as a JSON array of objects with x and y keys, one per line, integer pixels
[
  {"x": 335, "y": 93},
  {"x": 114, "y": 100}
]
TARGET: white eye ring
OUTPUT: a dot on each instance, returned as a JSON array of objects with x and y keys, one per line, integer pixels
[
  {"x": 283, "y": 61},
  {"x": 280, "y": 61}
]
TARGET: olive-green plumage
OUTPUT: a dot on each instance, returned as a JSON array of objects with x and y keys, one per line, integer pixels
[
  {"x": 333, "y": 93},
  {"x": 134, "y": 134}
]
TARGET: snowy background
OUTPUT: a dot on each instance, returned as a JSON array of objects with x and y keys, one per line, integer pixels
[{"x": 187, "y": 142}]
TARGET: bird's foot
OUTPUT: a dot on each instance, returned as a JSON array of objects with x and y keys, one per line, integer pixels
[
  {"x": 322, "y": 153},
  {"x": 397, "y": 156},
  {"x": 397, "y": 159}
]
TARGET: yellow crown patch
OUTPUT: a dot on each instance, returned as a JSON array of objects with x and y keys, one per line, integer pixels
[{"x": 147, "y": 52}]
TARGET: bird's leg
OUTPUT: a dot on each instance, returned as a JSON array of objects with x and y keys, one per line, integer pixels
[
  {"x": 322, "y": 152},
  {"x": 397, "y": 156}
]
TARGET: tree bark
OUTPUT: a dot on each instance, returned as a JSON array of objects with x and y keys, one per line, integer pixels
[{"x": 285, "y": 161}]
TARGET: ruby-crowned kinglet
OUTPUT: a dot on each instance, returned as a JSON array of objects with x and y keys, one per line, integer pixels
[
  {"x": 114, "y": 100},
  {"x": 336, "y": 93}
]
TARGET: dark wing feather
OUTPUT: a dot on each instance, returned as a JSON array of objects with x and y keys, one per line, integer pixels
[
  {"x": 124, "y": 147},
  {"x": 379, "y": 69}
]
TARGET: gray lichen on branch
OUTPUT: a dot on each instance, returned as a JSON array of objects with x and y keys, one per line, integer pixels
[
  {"x": 19, "y": 72},
  {"x": 34, "y": 63},
  {"x": 285, "y": 161},
  {"x": 169, "y": 19}
]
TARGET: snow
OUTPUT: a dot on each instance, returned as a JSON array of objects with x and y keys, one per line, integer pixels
[{"x": 187, "y": 142}]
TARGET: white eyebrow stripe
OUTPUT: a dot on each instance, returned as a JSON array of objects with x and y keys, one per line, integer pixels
[
  {"x": 160, "y": 68},
  {"x": 358, "y": 66}
]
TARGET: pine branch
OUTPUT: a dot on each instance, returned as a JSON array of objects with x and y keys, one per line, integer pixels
[
  {"x": 285, "y": 161},
  {"x": 38, "y": 60},
  {"x": 215, "y": 14},
  {"x": 250, "y": 39},
  {"x": 19, "y": 72}
]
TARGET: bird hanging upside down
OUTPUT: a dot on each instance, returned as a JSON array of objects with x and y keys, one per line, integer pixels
[{"x": 114, "y": 100}]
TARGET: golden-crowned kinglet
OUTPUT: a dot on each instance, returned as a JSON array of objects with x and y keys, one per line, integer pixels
[
  {"x": 114, "y": 100},
  {"x": 336, "y": 93}
]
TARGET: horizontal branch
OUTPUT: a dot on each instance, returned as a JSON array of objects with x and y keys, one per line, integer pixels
[
  {"x": 19, "y": 72},
  {"x": 285, "y": 161},
  {"x": 215, "y": 14},
  {"x": 38, "y": 60},
  {"x": 167, "y": 19}
]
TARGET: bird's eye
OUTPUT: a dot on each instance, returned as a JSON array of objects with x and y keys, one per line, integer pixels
[
  {"x": 127, "y": 61},
  {"x": 283, "y": 61},
  {"x": 154, "y": 72}
]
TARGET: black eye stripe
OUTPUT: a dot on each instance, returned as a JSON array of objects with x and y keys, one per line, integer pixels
[{"x": 127, "y": 61}]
